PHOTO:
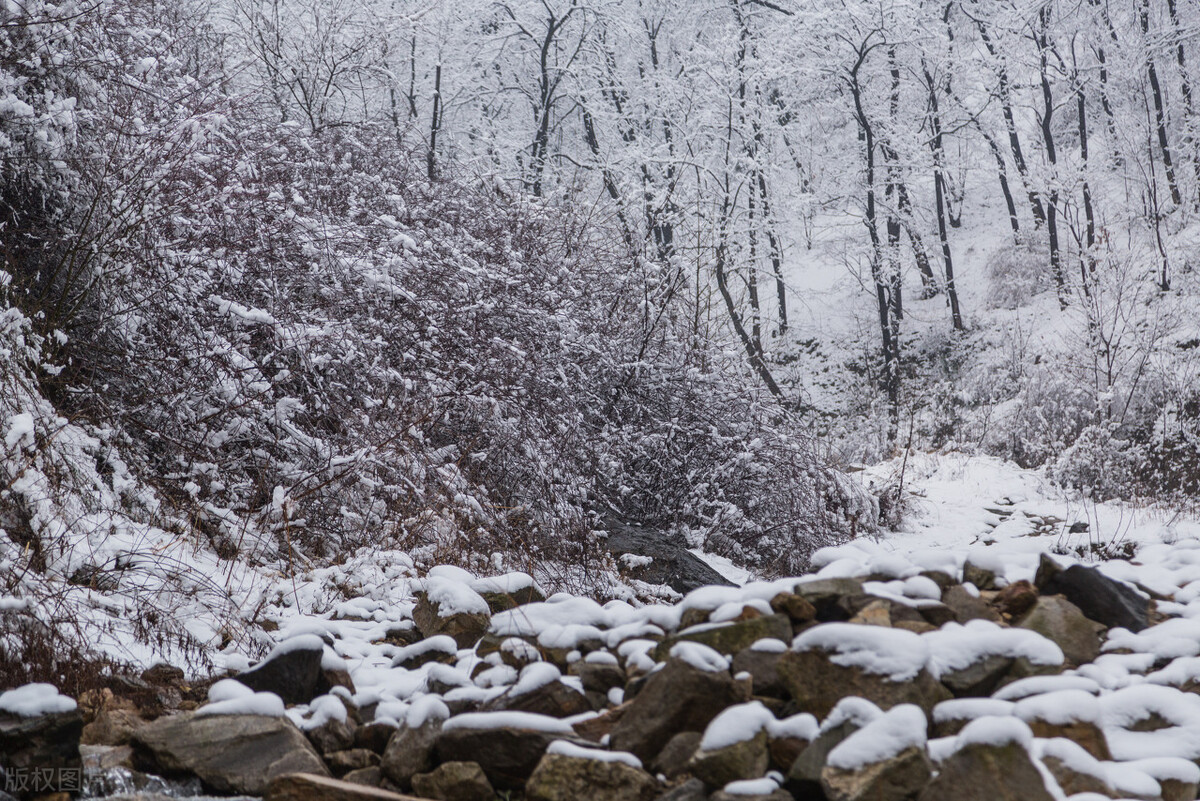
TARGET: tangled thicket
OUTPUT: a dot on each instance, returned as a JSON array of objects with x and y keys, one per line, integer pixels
[{"x": 299, "y": 345}]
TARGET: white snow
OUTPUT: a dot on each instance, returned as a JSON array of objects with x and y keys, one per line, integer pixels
[
  {"x": 801, "y": 726},
  {"x": 439, "y": 643},
  {"x": 971, "y": 708},
  {"x": 764, "y": 786},
  {"x": 699, "y": 656},
  {"x": 508, "y": 720},
  {"x": 898, "y": 654},
  {"x": 535, "y": 676},
  {"x": 506, "y": 584},
  {"x": 958, "y": 646},
  {"x": 1059, "y": 708},
  {"x": 769, "y": 645},
  {"x": 887, "y": 736},
  {"x": 1124, "y": 708},
  {"x": 20, "y": 432},
  {"x": 452, "y": 596},
  {"x": 35, "y": 700},
  {"x": 852, "y": 709},
  {"x": 425, "y": 709},
  {"x": 265, "y": 704},
  {"x": 995, "y": 731},
  {"x": 1037, "y": 685},
  {"x": 568, "y": 749},
  {"x": 736, "y": 724},
  {"x": 303, "y": 642}
]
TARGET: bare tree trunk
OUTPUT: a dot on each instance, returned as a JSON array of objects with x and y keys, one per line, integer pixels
[
  {"x": 889, "y": 321},
  {"x": 1045, "y": 118},
  {"x": 1185, "y": 86},
  {"x": 435, "y": 124},
  {"x": 776, "y": 253},
  {"x": 1101, "y": 58},
  {"x": 936, "y": 145},
  {"x": 1004, "y": 95},
  {"x": 1160, "y": 115}
]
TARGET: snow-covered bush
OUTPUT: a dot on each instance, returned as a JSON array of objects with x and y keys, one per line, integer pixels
[
  {"x": 1099, "y": 463},
  {"x": 1016, "y": 274},
  {"x": 299, "y": 346}
]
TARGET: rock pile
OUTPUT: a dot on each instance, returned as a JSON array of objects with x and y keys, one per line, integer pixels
[{"x": 931, "y": 687}]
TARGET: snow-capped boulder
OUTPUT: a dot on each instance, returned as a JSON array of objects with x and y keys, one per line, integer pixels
[
  {"x": 885, "y": 760},
  {"x": 39, "y": 729},
  {"x": 506, "y": 745},
  {"x": 837, "y": 660},
  {"x": 990, "y": 762},
  {"x": 449, "y": 606},
  {"x": 570, "y": 772},
  {"x": 683, "y": 696}
]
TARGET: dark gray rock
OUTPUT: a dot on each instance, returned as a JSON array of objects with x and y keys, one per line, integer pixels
[
  {"x": 729, "y": 638},
  {"x": 1100, "y": 598},
  {"x": 294, "y": 676},
  {"x": 673, "y": 759},
  {"x": 672, "y": 563}
]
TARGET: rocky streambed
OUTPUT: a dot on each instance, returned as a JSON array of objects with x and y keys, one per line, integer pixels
[{"x": 896, "y": 684}]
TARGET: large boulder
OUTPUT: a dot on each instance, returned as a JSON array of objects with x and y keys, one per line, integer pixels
[
  {"x": 675, "y": 757},
  {"x": 410, "y": 751},
  {"x": 762, "y": 665},
  {"x": 979, "y": 678},
  {"x": 991, "y": 763},
  {"x": 838, "y": 660},
  {"x": 967, "y": 607},
  {"x": 679, "y": 697},
  {"x": 690, "y": 790},
  {"x": 231, "y": 754},
  {"x": 883, "y": 761},
  {"x": 559, "y": 777},
  {"x": 825, "y": 596},
  {"x": 541, "y": 691},
  {"x": 746, "y": 759},
  {"x": 848, "y": 717},
  {"x": 896, "y": 778}
]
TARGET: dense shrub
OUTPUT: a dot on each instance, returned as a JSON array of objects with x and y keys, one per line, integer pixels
[
  {"x": 1015, "y": 275},
  {"x": 299, "y": 346}
]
